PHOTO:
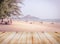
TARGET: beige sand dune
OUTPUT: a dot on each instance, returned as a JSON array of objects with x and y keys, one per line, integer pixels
[{"x": 31, "y": 26}]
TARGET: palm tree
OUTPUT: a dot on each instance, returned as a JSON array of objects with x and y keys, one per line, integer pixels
[{"x": 8, "y": 7}]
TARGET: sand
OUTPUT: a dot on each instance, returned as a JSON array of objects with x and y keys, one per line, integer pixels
[{"x": 31, "y": 26}]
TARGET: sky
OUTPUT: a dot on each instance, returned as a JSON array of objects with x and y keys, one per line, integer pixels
[{"x": 44, "y": 9}]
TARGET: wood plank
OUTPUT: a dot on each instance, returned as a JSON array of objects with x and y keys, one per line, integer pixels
[
  {"x": 44, "y": 40},
  {"x": 4, "y": 37},
  {"x": 51, "y": 39},
  {"x": 55, "y": 36},
  {"x": 7, "y": 40},
  {"x": 22, "y": 39},
  {"x": 29, "y": 38}
]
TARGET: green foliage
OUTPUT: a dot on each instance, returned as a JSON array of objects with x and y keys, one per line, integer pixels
[{"x": 8, "y": 7}]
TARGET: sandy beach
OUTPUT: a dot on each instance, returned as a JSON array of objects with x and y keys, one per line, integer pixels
[{"x": 31, "y": 26}]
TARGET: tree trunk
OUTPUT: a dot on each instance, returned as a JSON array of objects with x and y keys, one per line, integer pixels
[
  {"x": 11, "y": 21},
  {"x": 2, "y": 20}
]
